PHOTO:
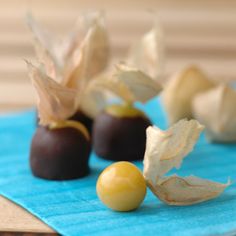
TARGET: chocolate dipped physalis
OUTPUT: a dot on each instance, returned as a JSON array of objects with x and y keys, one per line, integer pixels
[
  {"x": 76, "y": 60},
  {"x": 217, "y": 111},
  {"x": 148, "y": 53},
  {"x": 119, "y": 131},
  {"x": 180, "y": 91},
  {"x": 60, "y": 151},
  {"x": 60, "y": 147},
  {"x": 165, "y": 150}
]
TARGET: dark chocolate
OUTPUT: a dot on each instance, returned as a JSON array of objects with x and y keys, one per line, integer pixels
[
  {"x": 78, "y": 116},
  {"x": 84, "y": 119},
  {"x": 59, "y": 154},
  {"x": 120, "y": 138}
]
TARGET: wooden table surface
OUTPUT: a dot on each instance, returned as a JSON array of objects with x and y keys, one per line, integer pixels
[{"x": 199, "y": 32}]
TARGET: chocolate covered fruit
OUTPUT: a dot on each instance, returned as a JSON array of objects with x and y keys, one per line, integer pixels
[
  {"x": 84, "y": 119},
  {"x": 60, "y": 151},
  {"x": 78, "y": 116},
  {"x": 119, "y": 133}
]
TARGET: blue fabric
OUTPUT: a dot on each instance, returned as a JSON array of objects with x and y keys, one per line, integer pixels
[{"x": 72, "y": 207}]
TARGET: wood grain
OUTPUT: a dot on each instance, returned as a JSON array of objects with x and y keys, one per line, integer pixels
[
  {"x": 197, "y": 32},
  {"x": 15, "y": 219}
]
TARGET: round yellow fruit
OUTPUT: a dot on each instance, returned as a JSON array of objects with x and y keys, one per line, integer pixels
[{"x": 121, "y": 186}]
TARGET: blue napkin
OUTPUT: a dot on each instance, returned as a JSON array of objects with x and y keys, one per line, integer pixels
[{"x": 72, "y": 207}]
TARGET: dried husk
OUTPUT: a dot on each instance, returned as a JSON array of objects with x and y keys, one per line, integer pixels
[
  {"x": 50, "y": 50},
  {"x": 55, "y": 102},
  {"x": 74, "y": 60},
  {"x": 140, "y": 84},
  {"x": 148, "y": 54},
  {"x": 181, "y": 89},
  {"x": 190, "y": 190},
  {"x": 77, "y": 59},
  {"x": 216, "y": 109},
  {"x": 129, "y": 84},
  {"x": 93, "y": 101},
  {"x": 166, "y": 150},
  {"x": 114, "y": 86},
  {"x": 92, "y": 57}
]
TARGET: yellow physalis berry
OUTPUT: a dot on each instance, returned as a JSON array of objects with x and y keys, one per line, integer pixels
[{"x": 121, "y": 186}]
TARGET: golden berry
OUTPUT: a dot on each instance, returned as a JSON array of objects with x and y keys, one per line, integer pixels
[{"x": 121, "y": 186}]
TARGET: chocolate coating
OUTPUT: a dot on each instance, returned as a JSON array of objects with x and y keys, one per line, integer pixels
[
  {"x": 59, "y": 154},
  {"x": 120, "y": 138},
  {"x": 84, "y": 119},
  {"x": 78, "y": 116}
]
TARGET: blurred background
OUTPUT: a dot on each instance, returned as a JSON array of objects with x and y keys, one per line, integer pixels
[{"x": 199, "y": 32}]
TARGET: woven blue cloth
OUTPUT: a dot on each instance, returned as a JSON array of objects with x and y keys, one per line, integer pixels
[{"x": 72, "y": 207}]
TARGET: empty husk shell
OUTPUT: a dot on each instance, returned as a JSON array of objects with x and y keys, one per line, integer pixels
[
  {"x": 216, "y": 109},
  {"x": 166, "y": 150},
  {"x": 179, "y": 92},
  {"x": 148, "y": 53}
]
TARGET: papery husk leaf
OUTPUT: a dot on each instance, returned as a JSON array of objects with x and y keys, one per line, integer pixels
[
  {"x": 140, "y": 84},
  {"x": 73, "y": 61},
  {"x": 92, "y": 56},
  {"x": 180, "y": 91},
  {"x": 98, "y": 49},
  {"x": 93, "y": 101},
  {"x": 216, "y": 109},
  {"x": 55, "y": 102},
  {"x": 53, "y": 51},
  {"x": 45, "y": 46},
  {"x": 114, "y": 86},
  {"x": 148, "y": 54},
  {"x": 175, "y": 190},
  {"x": 166, "y": 149},
  {"x": 130, "y": 84}
]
